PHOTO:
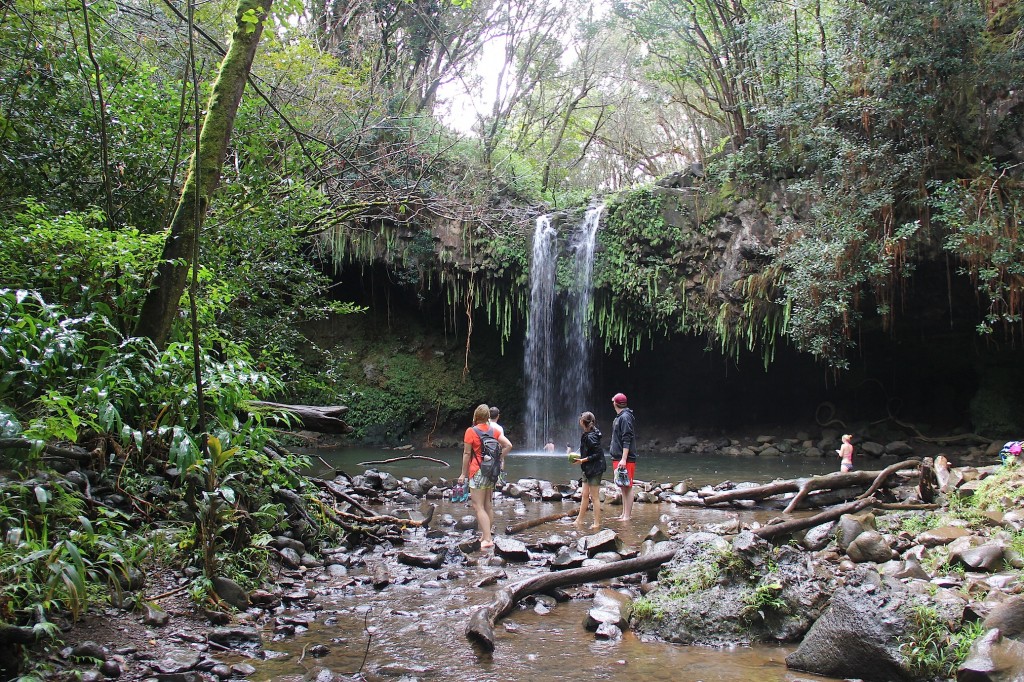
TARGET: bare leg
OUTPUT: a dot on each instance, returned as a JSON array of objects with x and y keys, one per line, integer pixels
[
  {"x": 595, "y": 498},
  {"x": 627, "y": 503},
  {"x": 480, "y": 499},
  {"x": 583, "y": 504}
]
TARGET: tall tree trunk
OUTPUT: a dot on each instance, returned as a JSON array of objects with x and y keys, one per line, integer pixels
[{"x": 161, "y": 304}]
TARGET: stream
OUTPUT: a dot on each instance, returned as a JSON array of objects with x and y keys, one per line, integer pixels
[{"x": 415, "y": 630}]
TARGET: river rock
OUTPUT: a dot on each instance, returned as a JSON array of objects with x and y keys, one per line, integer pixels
[
  {"x": 898, "y": 448},
  {"x": 90, "y": 676},
  {"x": 1007, "y": 617},
  {"x": 243, "y": 669},
  {"x": 852, "y": 525},
  {"x": 550, "y": 494},
  {"x": 154, "y": 615},
  {"x": 111, "y": 669},
  {"x": 993, "y": 658},
  {"x": 941, "y": 536},
  {"x": 553, "y": 543},
  {"x": 656, "y": 534},
  {"x": 608, "y": 631},
  {"x": 872, "y": 449},
  {"x": 90, "y": 650},
  {"x": 987, "y": 557},
  {"x": 231, "y": 592},
  {"x": 467, "y": 522},
  {"x": 283, "y": 542},
  {"x": 610, "y": 607},
  {"x": 236, "y": 638},
  {"x": 869, "y": 546},
  {"x": 858, "y": 637},
  {"x": 425, "y": 560},
  {"x": 818, "y": 537},
  {"x": 602, "y": 541},
  {"x": 176, "y": 661},
  {"x": 567, "y": 558},
  {"x": 510, "y": 549},
  {"x": 290, "y": 558}
]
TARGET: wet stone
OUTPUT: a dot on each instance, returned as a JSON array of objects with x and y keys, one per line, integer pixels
[
  {"x": 221, "y": 670},
  {"x": 236, "y": 638},
  {"x": 90, "y": 676},
  {"x": 231, "y": 592},
  {"x": 90, "y": 650},
  {"x": 510, "y": 549},
  {"x": 467, "y": 522},
  {"x": 176, "y": 662},
  {"x": 155, "y": 616},
  {"x": 318, "y": 650},
  {"x": 243, "y": 669},
  {"x": 111, "y": 669}
]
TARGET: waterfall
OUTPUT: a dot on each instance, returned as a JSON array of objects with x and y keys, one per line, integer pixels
[
  {"x": 576, "y": 383},
  {"x": 539, "y": 352},
  {"x": 558, "y": 339}
]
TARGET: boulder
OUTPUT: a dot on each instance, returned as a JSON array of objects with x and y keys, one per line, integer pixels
[
  {"x": 869, "y": 546},
  {"x": 852, "y": 525},
  {"x": 987, "y": 557},
  {"x": 610, "y": 607},
  {"x": 1007, "y": 617},
  {"x": 858, "y": 636},
  {"x": 817, "y": 538},
  {"x": 941, "y": 536},
  {"x": 993, "y": 658},
  {"x": 602, "y": 541},
  {"x": 510, "y": 549}
]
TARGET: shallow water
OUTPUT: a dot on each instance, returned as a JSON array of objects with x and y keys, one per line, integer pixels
[
  {"x": 416, "y": 630},
  {"x": 701, "y": 469}
]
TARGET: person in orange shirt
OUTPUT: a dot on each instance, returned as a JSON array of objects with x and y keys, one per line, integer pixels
[{"x": 481, "y": 490}]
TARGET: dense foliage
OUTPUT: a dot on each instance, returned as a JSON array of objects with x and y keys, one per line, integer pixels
[{"x": 891, "y": 129}]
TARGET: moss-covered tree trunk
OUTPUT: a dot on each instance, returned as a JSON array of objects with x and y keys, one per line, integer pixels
[{"x": 161, "y": 304}]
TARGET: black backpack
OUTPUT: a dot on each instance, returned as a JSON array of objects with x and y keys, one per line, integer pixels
[{"x": 490, "y": 455}]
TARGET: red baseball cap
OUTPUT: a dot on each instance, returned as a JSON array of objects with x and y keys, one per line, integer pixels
[{"x": 619, "y": 399}]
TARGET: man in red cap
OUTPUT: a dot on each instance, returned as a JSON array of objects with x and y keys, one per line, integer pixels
[{"x": 623, "y": 449}]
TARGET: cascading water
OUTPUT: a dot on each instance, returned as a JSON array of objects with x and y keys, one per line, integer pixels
[
  {"x": 539, "y": 352},
  {"x": 576, "y": 382},
  {"x": 558, "y": 340}
]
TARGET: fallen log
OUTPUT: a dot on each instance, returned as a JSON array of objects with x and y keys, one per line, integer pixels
[
  {"x": 339, "y": 494},
  {"x": 18, "y": 634},
  {"x": 838, "y": 480},
  {"x": 785, "y": 528},
  {"x": 804, "y": 486},
  {"x": 532, "y": 523},
  {"x": 322, "y": 419},
  {"x": 400, "y": 459},
  {"x": 68, "y": 452},
  {"x": 480, "y": 629}
]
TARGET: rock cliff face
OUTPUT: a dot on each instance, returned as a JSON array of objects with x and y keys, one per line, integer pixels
[{"x": 689, "y": 298}]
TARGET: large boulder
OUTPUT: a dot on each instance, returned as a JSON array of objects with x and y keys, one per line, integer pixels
[
  {"x": 993, "y": 658},
  {"x": 858, "y": 636}
]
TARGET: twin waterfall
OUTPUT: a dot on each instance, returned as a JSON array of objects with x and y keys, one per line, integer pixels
[{"x": 558, "y": 339}]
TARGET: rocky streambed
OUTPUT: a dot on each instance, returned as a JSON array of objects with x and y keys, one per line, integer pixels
[{"x": 886, "y": 594}]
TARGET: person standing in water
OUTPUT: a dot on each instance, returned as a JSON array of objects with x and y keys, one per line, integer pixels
[
  {"x": 623, "y": 449},
  {"x": 481, "y": 489},
  {"x": 593, "y": 465},
  {"x": 846, "y": 453}
]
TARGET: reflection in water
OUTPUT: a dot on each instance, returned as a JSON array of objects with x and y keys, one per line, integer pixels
[{"x": 416, "y": 625}]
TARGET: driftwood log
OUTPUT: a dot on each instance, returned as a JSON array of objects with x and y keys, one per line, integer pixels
[
  {"x": 321, "y": 419},
  {"x": 402, "y": 459},
  {"x": 532, "y": 523},
  {"x": 775, "y": 530},
  {"x": 872, "y": 480},
  {"x": 480, "y": 629},
  {"x": 65, "y": 451}
]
